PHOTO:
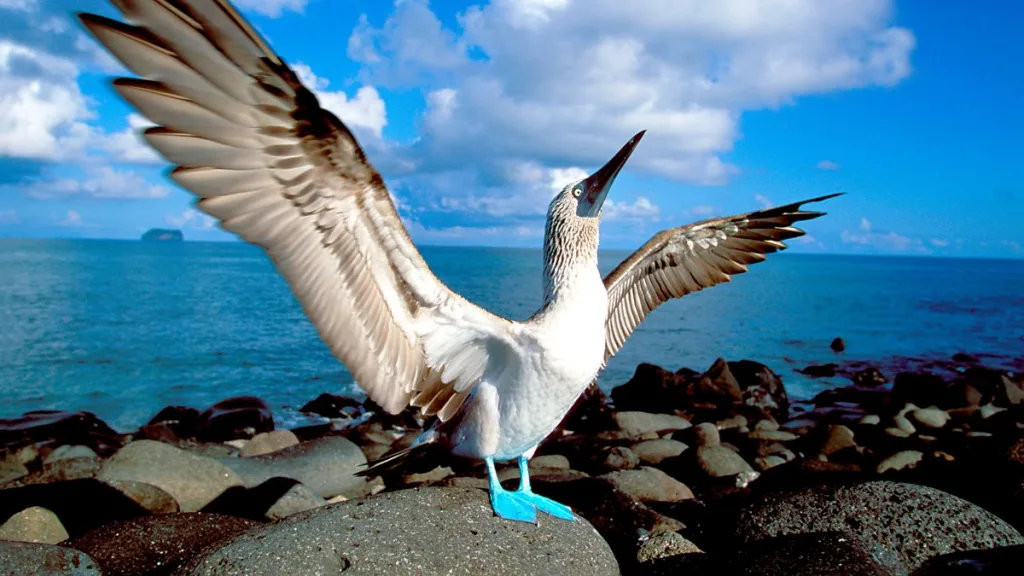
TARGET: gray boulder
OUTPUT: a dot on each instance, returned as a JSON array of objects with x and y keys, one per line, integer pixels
[
  {"x": 914, "y": 522},
  {"x": 327, "y": 466},
  {"x": 20, "y": 559},
  {"x": 415, "y": 531}
]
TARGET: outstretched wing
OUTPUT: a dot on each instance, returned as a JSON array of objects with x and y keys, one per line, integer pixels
[
  {"x": 689, "y": 258},
  {"x": 275, "y": 168}
]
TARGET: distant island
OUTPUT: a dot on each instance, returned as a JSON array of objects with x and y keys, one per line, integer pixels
[{"x": 163, "y": 235}]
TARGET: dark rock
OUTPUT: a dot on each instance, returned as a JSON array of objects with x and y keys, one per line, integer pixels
[
  {"x": 60, "y": 471},
  {"x": 836, "y": 438},
  {"x": 664, "y": 545},
  {"x": 81, "y": 505},
  {"x": 838, "y": 345},
  {"x": 869, "y": 377},
  {"x": 55, "y": 428},
  {"x": 241, "y": 417},
  {"x": 194, "y": 481},
  {"x": 923, "y": 389},
  {"x": 11, "y": 469},
  {"x": 762, "y": 388},
  {"x": 618, "y": 458},
  {"x": 591, "y": 412},
  {"x": 820, "y": 370},
  {"x": 148, "y": 496},
  {"x": 180, "y": 420},
  {"x": 156, "y": 545},
  {"x": 1005, "y": 561},
  {"x": 22, "y": 559},
  {"x": 442, "y": 531},
  {"x": 812, "y": 554},
  {"x": 717, "y": 386},
  {"x": 326, "y": 465},
  {"x": 617, "y": 516},
  {"x": 333, "y": 406},
  {"x": 652, "y": 389},
  {"x": 965, "y": 358},
  {"x": 914, "y": 522}
]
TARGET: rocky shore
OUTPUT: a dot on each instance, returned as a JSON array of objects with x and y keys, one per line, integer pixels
[{"x": 677, "y": 472}]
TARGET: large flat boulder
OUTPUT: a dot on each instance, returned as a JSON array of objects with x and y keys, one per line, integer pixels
[{"x": 415, "y": 531}]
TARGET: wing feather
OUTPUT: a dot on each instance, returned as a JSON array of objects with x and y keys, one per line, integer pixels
[
  {"x": 260, "y": 154},
  {"x": 690, "y": 258}
]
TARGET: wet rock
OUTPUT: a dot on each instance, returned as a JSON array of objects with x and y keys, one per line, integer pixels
[
  {"x": 60, "y": 471},
  {"x": 21, "y": 559},
  {"x": 57, "y": 428},
  {"x": 442, "y": 531},
  {"x": 929, "y": 417},
  {"x": 900, "y": 461},
  {"x": 653, "y": 452},
  {"x": 193, "y": 481},
  {"x": 820, "y": 370},
  {"x": 869, "y": 377},
  {"x": 156, "y": 545},
  {"x": 241, "y": 417},
  {"x": 652, "y": 389},
  {"x": 965, "y": 358},
  {"x": 994, "y": 561},
  {"x": 333, "y": 406},
  {"x": 838, "y": 345},
  {"x": 179, "y": 420},
  {"x": 913, "y": 522},
  {"x": 274, "y": 499},
  {"x": 718, "y": 386},
  {"x": 34, "y": 524},
  {"x": 665, "y": 545},
  {"x": 650, "y": 485},
  {"x": 719, "y": 461},
  {"x": 762, "y": 388},
  {"x": 11, "y": 469},
  {"x": 639, "y": 423},
  {"x": 326, "y": 465},
  {"x": 267, "y": 442}
]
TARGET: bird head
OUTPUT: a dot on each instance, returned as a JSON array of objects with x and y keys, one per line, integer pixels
[{"x": 584, "y": 198}]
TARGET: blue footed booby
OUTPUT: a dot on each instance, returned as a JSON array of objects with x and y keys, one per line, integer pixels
[{"x": 252, "y": 143}]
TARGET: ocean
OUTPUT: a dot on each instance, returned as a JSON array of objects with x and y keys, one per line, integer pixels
[{"x": 124, "y": 328}]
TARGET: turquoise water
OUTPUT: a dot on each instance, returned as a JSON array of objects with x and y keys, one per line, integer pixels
[{"x": 124, "y": 328}]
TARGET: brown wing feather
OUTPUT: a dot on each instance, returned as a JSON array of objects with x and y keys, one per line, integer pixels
[{"x": 682, "y": 260}]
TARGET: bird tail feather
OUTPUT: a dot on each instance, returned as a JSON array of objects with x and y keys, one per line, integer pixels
[{"x": 422, "y": 456}]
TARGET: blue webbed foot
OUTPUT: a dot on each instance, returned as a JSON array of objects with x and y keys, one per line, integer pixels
[
  {"x": 546, "y": 505},
  {"x": 508, "y": 505}
]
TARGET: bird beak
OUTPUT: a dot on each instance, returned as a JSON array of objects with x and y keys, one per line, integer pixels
[{"x": 596, "y": 186}]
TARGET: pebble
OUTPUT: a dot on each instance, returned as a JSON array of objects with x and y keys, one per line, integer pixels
[
  {"x": 871, "y": 420},
  {"x": 68, "y": 452},
  {"x": 772, "y": 435},
  {"x": 930, "y": 417},
  {"x": 326, "y": 465},
  {"x": 903, "y": 424},
  {"x": 718, "y": 461},
  {"x": 11, "y": 469},
  {"x": 707, "y": 435},
  {"x": 665, "y": 545},
  {"x": 34, "y": 524},
  {"x": 193, "y": 481},
  {"x": 837, "y": 437},
  {"x": 767, "y": 462}
]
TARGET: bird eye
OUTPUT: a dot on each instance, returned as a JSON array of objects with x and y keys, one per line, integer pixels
[{"x": 576, "y": 192}]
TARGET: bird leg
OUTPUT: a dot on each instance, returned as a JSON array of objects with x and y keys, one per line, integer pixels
[
  {"x": 508, "y": 505},
  {"x": 543, "y": 504}
]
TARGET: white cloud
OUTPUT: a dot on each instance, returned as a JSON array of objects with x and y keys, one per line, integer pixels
[
  {"x": 939, "y": 242},
  {"x": 809, "y": 241},
  {"x": 1014, "y": 245},
  {"x": 867, "y": 236},
  {"x": 865, "y": 224},
  {"x": 519, "y": 189},
  {"x": 272, "y": 8},
  {"x": 74, "y": 220},
  {"x": 9, "y": 217},
  {"x": 20, "y": 5},
  {"x": 764, "y": 201},
  {"x": 365, "y": 112},
  {"x": 128, "y": 145},
  {"x": 828, "y": 165},
  {"x": 101, "y": 182},
  {"x": 191, "y": 218},
  {"x": 566, "y": 83},
  {"x": 702, "y": 210},
  {"x": 640, "y": 209}
]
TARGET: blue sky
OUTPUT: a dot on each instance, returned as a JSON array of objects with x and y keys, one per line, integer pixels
[{"x": 476, "y": 112}]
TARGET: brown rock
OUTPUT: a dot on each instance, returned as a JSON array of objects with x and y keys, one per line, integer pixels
[
  {"x": 650, "y": 485},
  {"x": 34, "y": 524}
]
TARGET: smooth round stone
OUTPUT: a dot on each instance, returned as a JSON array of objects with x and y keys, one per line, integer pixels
[
  {"x": 665, "y": 545},
  {"x": 930, "y": 417},
  {"x": 707, "y": 434},
  {"x": 900, "y": 460},
  {"x": 904, "y": 424},
  {"x": 193, "y": 481},
  {"x": 718, "y": 461},
  {"x": 650, "y": 485},
  {"x": 655, "y": 451},
  {"x": 268, "y": 442},
  {"x": 871, "y": 420},
  {"x": 897, "y": 433},
  {"x": 35, "y": 524},
  {"x": 838, "y": 437},
  {"x": 549, "y": 462},
  {"x": 638, "y": 423},
  {"x": 772, "y": 435},
  {"x": 767, "y": 462},
  {"x": 11, "y": 469},
  {"x": 414, "y": 531},
  {"x": 68, "y": 452},
  {"x": 326, "y": 465}
]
